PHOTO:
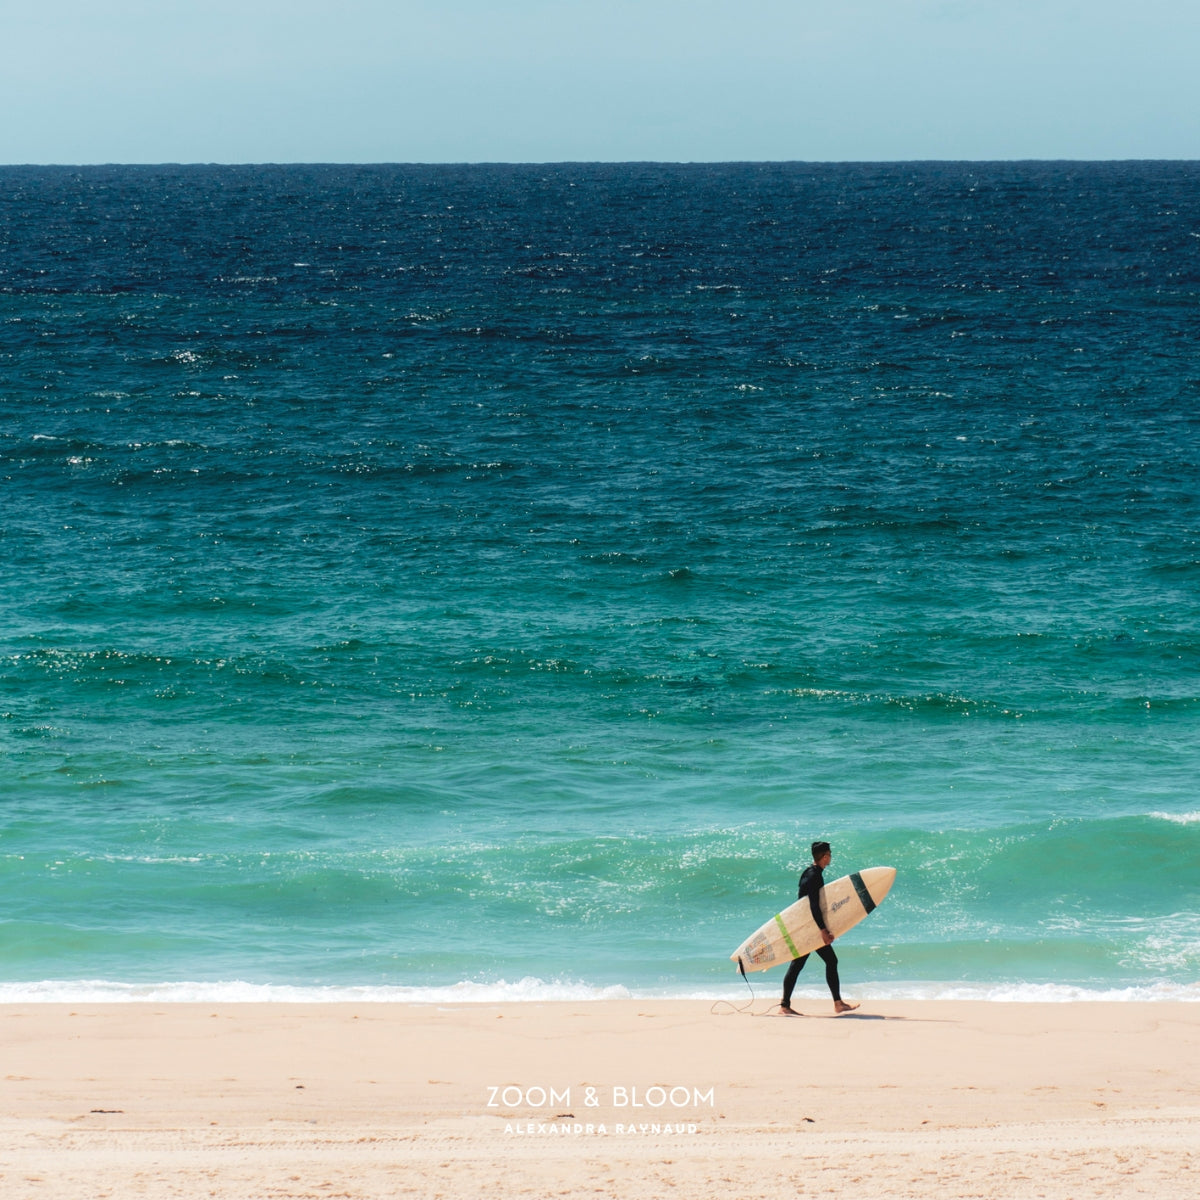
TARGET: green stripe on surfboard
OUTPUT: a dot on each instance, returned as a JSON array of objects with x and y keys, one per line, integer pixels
[
  {"x": 861, "y": 889},
  {"x": 787, "y": 937}
]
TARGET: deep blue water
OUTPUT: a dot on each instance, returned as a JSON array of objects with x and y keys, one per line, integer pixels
[{"x": 413, "y": 575}]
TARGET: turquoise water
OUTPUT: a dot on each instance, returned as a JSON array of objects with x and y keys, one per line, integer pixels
[{"x": 488, "y": 581}]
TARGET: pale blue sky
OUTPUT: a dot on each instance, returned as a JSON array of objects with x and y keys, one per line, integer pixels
[{"x": 550, "y": 80}]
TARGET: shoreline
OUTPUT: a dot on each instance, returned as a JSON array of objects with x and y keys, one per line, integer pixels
[
  {"x": 538, "y": 991},
  {"x": 913, "y": 1098}
]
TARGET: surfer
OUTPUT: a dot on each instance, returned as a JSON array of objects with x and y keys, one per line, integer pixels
[{"x": 811, "y": 883}]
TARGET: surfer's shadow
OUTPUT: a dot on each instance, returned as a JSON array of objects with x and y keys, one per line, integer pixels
[{"x": 884, "y": 1017}]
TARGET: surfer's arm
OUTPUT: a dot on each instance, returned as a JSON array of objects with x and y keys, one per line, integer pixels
[
  {"x": 811, "y": 883},
  {"x": 814, "y": 903}
]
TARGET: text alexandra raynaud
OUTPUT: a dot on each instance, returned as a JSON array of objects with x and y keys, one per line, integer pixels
[{"x": 656, "y": 1096}]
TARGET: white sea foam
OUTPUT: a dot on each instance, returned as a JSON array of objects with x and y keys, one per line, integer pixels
[
  {"x": 529, "y": 989},
  {"x": 1023, "y": 993},
  {"x": 103, "y": 991},
  {"x": 1188, "y": 818}
]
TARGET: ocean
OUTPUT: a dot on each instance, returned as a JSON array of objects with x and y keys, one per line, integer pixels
[{"x": 435, "y": 582}]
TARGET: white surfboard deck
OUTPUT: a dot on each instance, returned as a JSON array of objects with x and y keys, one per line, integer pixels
[{"x": 793, "y": 932}]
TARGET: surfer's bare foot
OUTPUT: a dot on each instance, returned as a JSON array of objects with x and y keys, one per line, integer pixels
[
  {"x": 786, "y": 1010},
  {"x": 840, "y": 1006}
]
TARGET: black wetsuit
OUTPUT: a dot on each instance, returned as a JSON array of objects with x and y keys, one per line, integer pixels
[{"x": 811, "y": 883}]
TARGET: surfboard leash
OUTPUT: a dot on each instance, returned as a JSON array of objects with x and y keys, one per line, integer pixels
[{"x": 735, "y": 1009}]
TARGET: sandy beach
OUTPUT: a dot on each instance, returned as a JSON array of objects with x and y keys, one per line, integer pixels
[{"x": 629, "y": 1098}]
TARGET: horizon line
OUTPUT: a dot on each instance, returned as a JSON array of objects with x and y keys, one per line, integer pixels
[{"x": 583, "y": 162}]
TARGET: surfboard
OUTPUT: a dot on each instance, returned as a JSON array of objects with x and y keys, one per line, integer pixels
[{"x": 793, "y": 932}]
